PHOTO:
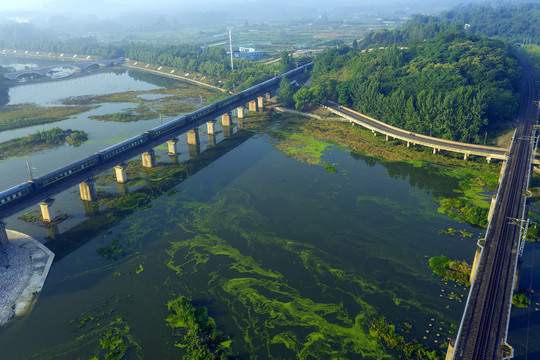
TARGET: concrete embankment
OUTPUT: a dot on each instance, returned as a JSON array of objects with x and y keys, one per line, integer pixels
[{"x": 24, "y": 266}]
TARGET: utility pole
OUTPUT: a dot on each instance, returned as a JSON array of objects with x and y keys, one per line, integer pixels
[
  {"x": 230, "y": 46},
  {"x": 29, "y": 170}
]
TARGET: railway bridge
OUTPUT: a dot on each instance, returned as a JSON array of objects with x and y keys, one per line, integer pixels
[
  {"x": 82, "y": 172},
  {"x": 484, "y": 326}
]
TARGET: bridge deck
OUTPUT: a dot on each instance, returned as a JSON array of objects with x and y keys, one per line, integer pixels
[{"x": 416, "y": 139}]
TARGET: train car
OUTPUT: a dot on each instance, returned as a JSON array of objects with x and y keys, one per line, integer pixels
[
  {"x": 66, "y": 171},
  {"x": 15, "y": 193},
  {"x": 113, "y": 151},
  {"x": 201, "y": 112},
  {"x": 167, "y": 127}
]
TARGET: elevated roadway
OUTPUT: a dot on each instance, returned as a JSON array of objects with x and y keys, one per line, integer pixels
[
  {"x": 483, "y": 330},
  {"x": 436, "y": 144}
]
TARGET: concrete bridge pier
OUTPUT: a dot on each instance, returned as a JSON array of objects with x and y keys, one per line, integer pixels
[
  {"x": 226, "y": 119},
  {"x": 88, "y": 190},
  {"x": 171, "y": 144},
  {"x": 240, "y": 111},
  {"x": 90, "y": 208},
  {"x": 434, "y": 151},
  {"x": 123, "y": 189},
  {"x": 52, "y": 232},
  {"x": 466, "y": 156},
  {"x": 121, "y": 176},
  {"x": 3, "y": 234},
  {"x": 252, "y": 106},
  {"x": 193, "y": 137},
  {"x": 268, "y": 96},
  {"x": 450, "y": 351},
  {"x": 212, "y": 140},
  {"x": 194, "y": 149},
  {"x": 228, "y": 131},
  {"x": 408, "y": 144},
  {"x": 46, "y": 210},
  {"x": 210, "y": 128},
  {"x": 149, "y": 159},
  {"x": 488, "y": 159},
  {"x": 260, "y": 103}
]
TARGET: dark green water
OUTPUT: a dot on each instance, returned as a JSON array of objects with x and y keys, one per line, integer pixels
[{"x": 292, "y": 261}]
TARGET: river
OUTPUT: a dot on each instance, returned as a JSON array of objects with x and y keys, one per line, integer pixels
[{"x": 292, "y": 260}]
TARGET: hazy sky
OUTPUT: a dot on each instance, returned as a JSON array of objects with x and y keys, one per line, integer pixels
[{"x": 33, "y": 5}]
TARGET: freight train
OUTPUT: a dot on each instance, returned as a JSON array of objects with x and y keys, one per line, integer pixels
[{"x": 109, "y": 154}]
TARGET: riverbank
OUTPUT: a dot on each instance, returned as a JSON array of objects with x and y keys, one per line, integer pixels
[{"x": 24, "y": 266}]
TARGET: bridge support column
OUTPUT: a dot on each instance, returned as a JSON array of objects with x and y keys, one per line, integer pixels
[
  {"x": 171, "y": 144},
  {"x": 240, "y": 111},
  {"x": 149, "y": 159},
  {"x": 210, "y": 128},
  {"x": 465, "y": 156},
  {"x": 268, "y": 96},
  {"x": 260, "y": 103},
  {"x": 226, "y": 119},
  {"x": 3, "y": 234},
  {"x": 46, "y": 210},
  {"x": 52, "y": 232},
  {"x": 252, "y": 106},
  {"x": 90, "y": 208},
  {"x": 88, "y": 190},
  {"x": 488, "y": 159},
  {"x": 475, "y": 263},
  {"x": 121, "y": 176},
  {"x": 374, "y": 133},
  {"x": 194, "y": 149},
  {"x": 228, "y": 131},
  {"x": 450, "y": 351},
  {"x": 387, "y": 137},
  {"x": 408, "y": 144},
  {"x": 193, "y": 137},
  {"x": 434, "y": 151},
  {"x": 211, "y": 140}
]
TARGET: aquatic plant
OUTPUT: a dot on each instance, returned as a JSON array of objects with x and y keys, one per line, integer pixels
[
  {"x": 453, "y": 270},
  {"x": 201, "y": 338}
]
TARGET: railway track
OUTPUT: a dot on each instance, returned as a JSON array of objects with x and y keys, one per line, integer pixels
[{"x": 483, "y": 331}]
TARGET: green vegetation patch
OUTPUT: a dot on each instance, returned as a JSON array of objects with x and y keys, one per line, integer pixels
[
  {"x": 386, "y": 332},
  {"x": 521, "y": 299},
  {"x": 201, "y": 338},
  {"x": 40, "y": 140},
  {"x": 24, "y": 115},
  {"x": 453, "y": 270}
]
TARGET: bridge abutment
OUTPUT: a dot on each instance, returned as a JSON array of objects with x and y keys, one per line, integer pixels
[
  {"x": 149, "y": 159},
  {"x": 87, "y": 190},
  {"x": 171, "y": 145},
  {"x": 121, "y": 176},
  {"x": 477, "y": 255},
  {"x": 3, "y": 234}
]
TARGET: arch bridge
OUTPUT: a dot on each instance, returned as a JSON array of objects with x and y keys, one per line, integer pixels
[{"x": 79, "y": 66}]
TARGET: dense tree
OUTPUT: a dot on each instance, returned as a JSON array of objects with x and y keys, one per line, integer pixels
[
  {"x": 286, "y": 92},
  {"x": 452, "y": 85}
]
